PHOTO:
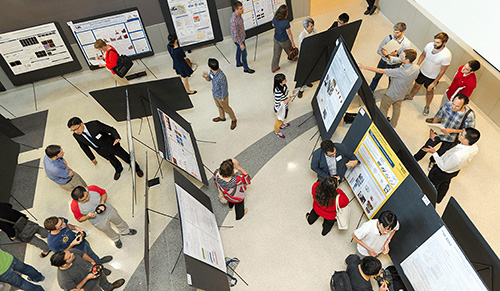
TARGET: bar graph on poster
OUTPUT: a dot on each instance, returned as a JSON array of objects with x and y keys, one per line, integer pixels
[{"x": 379, "y": 174}]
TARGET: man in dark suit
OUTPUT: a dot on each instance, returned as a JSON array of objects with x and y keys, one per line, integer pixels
[
  {"x": 332, "y": 160},
  {"x": 104, "y": 139}
]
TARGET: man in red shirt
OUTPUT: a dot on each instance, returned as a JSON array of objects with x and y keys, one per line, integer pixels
[{"x": 111, "y": 58}]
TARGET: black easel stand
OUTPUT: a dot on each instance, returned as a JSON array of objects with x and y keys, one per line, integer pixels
[
  {"x": 148, "y": 69},
  {"x": 24, "y": 207},
  {"x": 33, "y": 167},
  {"x": 237, "y": 275},
  {"x": 221, "y": 53},
  {"x": 315, "y": 144},
  {"x": 62, "y": 76},
  {"x": 306, "y": 120},
  {"x": 359, "y": 221}
]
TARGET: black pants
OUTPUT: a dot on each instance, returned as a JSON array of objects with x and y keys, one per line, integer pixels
[
  {"x": 445, "y": 145},
  {"x": 240, "y": 209},
  {"x": 370, "y": 3},
  {"x": 116, "y": 151},
  {"x": 327, "y": 223},
  {"x": 441, "y": 181}
]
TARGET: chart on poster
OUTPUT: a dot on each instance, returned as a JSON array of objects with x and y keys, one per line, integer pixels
[
  {"x": 200, "y": 234},
  {"x": 379, "y": 174},
  {"x": 258, "y": 12},
  {"x": 34, "y": 48},
  {"x": 191, "y": 21},
  {"x": 123, "y": 30},
  {"x": 179, "y": 149}
]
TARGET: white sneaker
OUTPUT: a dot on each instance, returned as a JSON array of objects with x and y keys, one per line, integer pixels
[{"x": 426, "y": 111}]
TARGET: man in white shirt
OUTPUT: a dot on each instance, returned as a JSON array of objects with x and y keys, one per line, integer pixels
[
  {"x": 451, "y": 162},
  {"x": 309, "y": 29},
  {"x": 436, "y": 58},
  {"x": 373, "y": 237}
]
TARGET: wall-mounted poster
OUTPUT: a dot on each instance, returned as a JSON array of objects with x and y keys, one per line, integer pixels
[{"x": 259, "y": 12}]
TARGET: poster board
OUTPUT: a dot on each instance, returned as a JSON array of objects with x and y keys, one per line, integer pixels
[
  {"x": 202, "y": 244},
  {"x": 379, "y": 173},
  {"x": 339, "y": 84},
  {"x": 175, "y": 139},
  {"x": 196, "y": 23},
  {"x": 122, "y": 29},
  {"x": 36, "y": 53}
]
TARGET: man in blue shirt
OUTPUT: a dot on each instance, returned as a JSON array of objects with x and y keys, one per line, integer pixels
[
  {"x": 220, "y": 92},
  {"x": 58, "y": 171}
]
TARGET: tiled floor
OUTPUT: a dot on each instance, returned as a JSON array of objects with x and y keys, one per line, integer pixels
[{"x": 277, "y": 248}]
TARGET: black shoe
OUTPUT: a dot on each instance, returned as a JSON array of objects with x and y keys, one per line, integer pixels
[
  {"x": 367, "y": 11},
  {"x": 250, "y": 71},
  {"x": 139, "y": 173},
  {"x": 300, "y": 94},
  {"x": 117, "y": 176},
  {"x": 373, "y": 9},
  {"x": 106, "y": 272},
  {"x": 309, "y": 85},
  {"x": 388, "y": 118},
  {"x": 131, "y": 232},
  {"x": 117, "y": 284},
  {"x": 194, "y": 92},
  {"x": 241, "y": 65},
  {"x": 106, "y": 259},
  {"x": 118, "y": 244}
]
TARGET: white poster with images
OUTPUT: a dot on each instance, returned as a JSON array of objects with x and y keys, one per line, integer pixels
[
  {"x": 258, "y": 12},
  {"x": 191, "y": 20}
]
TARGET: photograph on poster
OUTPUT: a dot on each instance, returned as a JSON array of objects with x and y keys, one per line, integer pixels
[
  {"x": 258, "y": 12},
  {"x": 191, "y": 20},
  {"x": 34, "y": 48},
  {"x": 379, "y": 174},
  {"x": 200, "y": 234},
  {"x": 179, "y": 149},
  {"x": 124, "y": 31}
]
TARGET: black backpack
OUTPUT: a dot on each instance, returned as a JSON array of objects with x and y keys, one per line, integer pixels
[{"x": 340, "y": 281}]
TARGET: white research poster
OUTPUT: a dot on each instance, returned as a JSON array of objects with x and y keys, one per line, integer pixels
[
  {"x": 440, "y": 265},
  {"x": 34, "y": 48},
  {"x": 191, "y": 20},
  {"x": 123, "y": 31},
  {"x": 258, "y": 12},
  {"x": 200, "y": 234},
  {"x": 338, "y": 82}
]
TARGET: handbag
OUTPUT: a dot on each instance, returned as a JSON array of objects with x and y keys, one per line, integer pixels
[
  {"x": 123, "y": 65},
  {"x": 456, "y": 141},
  {"x": 343, "y": 215},
  {"x": 281, "y": 114},
  {"x": 293, "y": 54}
]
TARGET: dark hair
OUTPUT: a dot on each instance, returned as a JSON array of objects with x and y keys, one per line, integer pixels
[
  {"x": 57, "y": 259},
  {"x": 171, "y": 39},
  {"x": 411, "y": 55},
  {"x": 344, "y": 17},
  {"x": 388, "y": 219},
  {"x": 327, "y": 146},
  {"x": 226, "y": 168},
  {"x": 370, "y": 266},
  {"x": 462, "y": 96},
  {"x": 278, "y": 79},
  {"x": 442, "y": 36},
  {"x": 52, "y": 150},
  {"x": 236, "y": 5},
  {"x": 474, "y": 65},
  {"x": 213, "y": 64},
  {"x": 74, "y": 121},
  {"x": 281, "y": 13},
  {"x": 78, "y": 192},
  {"x": 50, "y": 223},
  {"x": 326, "y": 191},
  {"x": 472, "y": 135}
]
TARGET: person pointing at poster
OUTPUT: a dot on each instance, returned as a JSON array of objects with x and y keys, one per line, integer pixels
[
  {"x": 111, "y": 58},
  {"x": 238, "y": 35}
]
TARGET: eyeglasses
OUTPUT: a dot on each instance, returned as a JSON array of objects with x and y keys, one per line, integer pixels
[{"x": 76, "y": 128}]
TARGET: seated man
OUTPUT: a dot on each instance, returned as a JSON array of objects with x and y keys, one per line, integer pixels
[
  {"x": 74, "y": 272},
  {"x": 343, "y": 20},
  {"x": 332, "y": 160},
  {"x": 374, "y": 236},
  {"x": 62, "y": 238},
  {"x": 58, "y": 170},
  {"x": 360, "y": 272}
]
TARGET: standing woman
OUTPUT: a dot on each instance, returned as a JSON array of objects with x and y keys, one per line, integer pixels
[
  {"x": 233, "y": 186},
  {"x": 281, "y": 100},
  {"x": 283, "y": 38},
  {"x": 325, "y": 194},
  {"x": 181, "y": 66}
]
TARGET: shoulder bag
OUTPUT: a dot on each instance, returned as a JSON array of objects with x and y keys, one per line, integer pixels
[{"x": 343, "y": 215}]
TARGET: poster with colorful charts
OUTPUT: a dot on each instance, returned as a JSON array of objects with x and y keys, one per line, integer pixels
[
  {"x": 122, "y": 29},
  {"x": 379, "y": 173},
  {"x": 179, "y": 149},
  {"x": 200, "y": 234},
  {"x": 191, "y": 20},
  {"x": 258, "y": 12}
]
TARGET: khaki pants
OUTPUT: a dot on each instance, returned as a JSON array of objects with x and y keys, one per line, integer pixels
[
  {"x": 74, "y": 182},
  {"x": 120, "y": 81},
  {"x": 386, "y": 103},
  {"x": 224, "y": 108},
  {"x": 115, "y": 218},
  {"x": 278, "y": 47}
]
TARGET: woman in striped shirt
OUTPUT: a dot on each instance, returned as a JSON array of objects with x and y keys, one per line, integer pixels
[{"x": 281, "y": 100}]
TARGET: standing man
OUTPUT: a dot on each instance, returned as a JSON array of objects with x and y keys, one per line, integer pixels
[
  {"x": 309, "y": 29},
  {"x": 238, "y": 35},
  {"x": 332, "y": 160},
  {"x": 220, "y": 92},
  {"x": 343, "y": 20},
  {"x": 450, "y": 115},
  {"x": 401, "y": 80},
  {"x": 90, "y": 204},
  {"x": 436, "y": 59},
  {"x": 57, "y": 169},
  {"x": 104, "y": 139},
  {"x": 391, "y": 59},
  {"x": 11, "y": 267},
  {"x": 111, "y": 58},
  {"x": 464, "y": 81},
  {"x": 450, "y": 163}
]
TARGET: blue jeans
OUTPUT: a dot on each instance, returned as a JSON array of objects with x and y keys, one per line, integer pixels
[
  {"x": 241, "y": 56},
  {"x": 376, "y": 79},
  {"x": 15, "y": 280},
  {"x": 88, "y": 250}
]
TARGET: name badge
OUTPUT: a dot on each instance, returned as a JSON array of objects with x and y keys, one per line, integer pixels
[
  {"x": 338, "y": 158},
  {"x": 98, "y": 136}
]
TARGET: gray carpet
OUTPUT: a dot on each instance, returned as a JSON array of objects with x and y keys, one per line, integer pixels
[
  {"x": 33, "y": 126},
  {"x": 166, "y": 248},
  {"x": 24, "y": 186}
]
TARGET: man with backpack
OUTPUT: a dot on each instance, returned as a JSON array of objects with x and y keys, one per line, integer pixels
[{"x": 357, "y": 275}]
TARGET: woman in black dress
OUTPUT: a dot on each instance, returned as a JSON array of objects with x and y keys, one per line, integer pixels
[{"x": 181, "y": 66}]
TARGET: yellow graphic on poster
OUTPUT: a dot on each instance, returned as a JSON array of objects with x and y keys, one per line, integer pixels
[{"x": 379, "y": 173}]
